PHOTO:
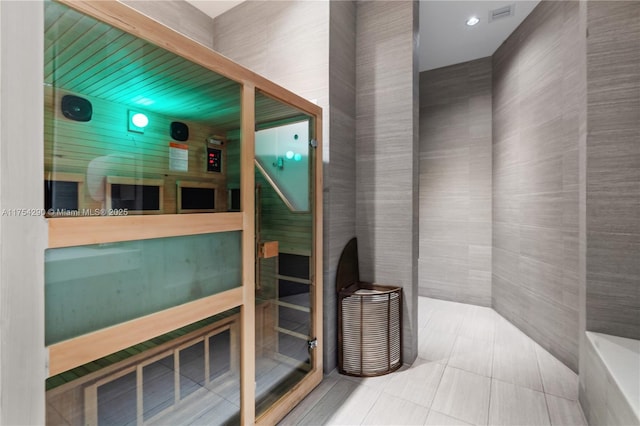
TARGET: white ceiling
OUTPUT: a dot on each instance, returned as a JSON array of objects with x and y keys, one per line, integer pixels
[
  {"x": 214, "y": 8},
  {"x": 445, "y": 39}
]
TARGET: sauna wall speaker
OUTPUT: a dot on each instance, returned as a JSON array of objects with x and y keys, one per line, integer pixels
[
  {"x": 179, "y": 131},
  {"x": 76, "y": 108}
]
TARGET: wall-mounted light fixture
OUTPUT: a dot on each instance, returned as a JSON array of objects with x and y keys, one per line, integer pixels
[{"x": 137, "y": 121}]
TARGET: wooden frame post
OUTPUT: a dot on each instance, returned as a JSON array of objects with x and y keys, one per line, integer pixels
[{"x": 247, "y": 313}]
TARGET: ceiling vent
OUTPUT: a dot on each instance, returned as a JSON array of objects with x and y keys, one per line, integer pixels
[{"x": 503, "y": 12}]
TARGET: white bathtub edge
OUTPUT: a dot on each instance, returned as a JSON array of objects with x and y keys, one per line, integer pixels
[{"x": 621, "y": 357}]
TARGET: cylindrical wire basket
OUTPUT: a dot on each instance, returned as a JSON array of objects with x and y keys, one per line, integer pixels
[{"x": 369, "y": 329}]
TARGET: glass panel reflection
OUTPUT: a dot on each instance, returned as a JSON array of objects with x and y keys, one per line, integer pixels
[
  {"x": 117, "y": 401},
  {"x": 283, "y": 215},
  {"x": 88, "y": 288},
  {"x": 157, "y": 380},
  {"x": 282, "y": 153},
  {"x": 126, "y": 121}
]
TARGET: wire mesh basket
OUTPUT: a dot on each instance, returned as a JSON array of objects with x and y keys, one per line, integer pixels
[{"x": 369, "y": 321}]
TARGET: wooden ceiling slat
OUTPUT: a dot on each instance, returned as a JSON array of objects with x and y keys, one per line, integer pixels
[
  {"x": 152, "y": 72},
  {"x": 177, "y": 78},
  {"x": 109, "y": 65},
  {"x": 79, "y": 67},
  {"x": 59, "y": 61},
  {"x": 182, "y": 96},
  {"x": 99, "y": 61},
  {"x": 187, "y": 78},
  {"x": 137, "y": 74},
  {"x": 52, "y": 16}
]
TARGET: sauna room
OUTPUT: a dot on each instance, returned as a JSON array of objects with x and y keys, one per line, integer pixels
[{"x": 163, "y": 176}]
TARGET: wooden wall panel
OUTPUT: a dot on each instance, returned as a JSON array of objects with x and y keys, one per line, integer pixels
[{"x": 71, "y": 146}]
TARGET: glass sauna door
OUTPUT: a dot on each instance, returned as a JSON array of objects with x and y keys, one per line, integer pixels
[{"x": 284, "y": 158}]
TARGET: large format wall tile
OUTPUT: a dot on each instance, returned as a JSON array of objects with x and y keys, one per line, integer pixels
[
  {"x": 535, "y": 178},
  {"x": 455, "y": 182},
  {"x": 180, "y": 16},
  {"x": 613, "y": 168},
  {"x": 340, "y": 174},
  {"x": 387, "y": 157}
]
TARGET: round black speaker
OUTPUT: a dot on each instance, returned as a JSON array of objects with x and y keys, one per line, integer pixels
[
  {"x": 76, "y": 108},
  {"x": 179, "y": 131}
]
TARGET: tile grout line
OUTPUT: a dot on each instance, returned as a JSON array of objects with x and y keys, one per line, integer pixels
[
  {"x": 299, "y": 422},
  {"x": 493, "y": 354},
  {"x": 371, "y": 408},
  {"x": 435, "y": 393},
  {"x": 544, "y": 391}
]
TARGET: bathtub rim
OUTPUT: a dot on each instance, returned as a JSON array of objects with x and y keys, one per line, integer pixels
[{"x": 616, "y": 353}]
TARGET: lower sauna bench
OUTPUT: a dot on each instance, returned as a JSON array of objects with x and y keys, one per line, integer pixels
[{"x": 190, "y": 374}]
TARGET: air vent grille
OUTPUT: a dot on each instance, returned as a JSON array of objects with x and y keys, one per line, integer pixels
[{"x": 503, "y": 12}]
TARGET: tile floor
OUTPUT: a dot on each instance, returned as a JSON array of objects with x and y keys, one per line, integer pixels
[{"x": 473, "y": 368}]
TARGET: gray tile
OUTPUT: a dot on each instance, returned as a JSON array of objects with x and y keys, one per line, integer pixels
[
  {"x": 310, "y": 401},
  {"x": 391, "y": 410},
  {"x": 181, "y": 16},
  {"x": 435, "y": 345},
  {"x": 479, "y": 257},
  {"x": 557, "y": 378},
  {"x": 543, "y": 244},
  {"x": 438, "y": 419},
  {"x": 536, "y": 129},
  {"x": 418, "y": 383},
  {"x": 612, "y": 174},
  {"x": 347, "y": 403},
  {"x": 377, "y": 382},
  {"x": 515, "y": 405},
  {"x": 612, "y": 296},
  {"x": 448, "y": 318},
  {"x": 516, "y": 363},
  {"x": 455, "y": 181},
  {"x": 473, "y": 355},
  {"x": 564, "y": 412},
  {"x": 464, "y": 396},
  {"x": 480, "y": 324}
]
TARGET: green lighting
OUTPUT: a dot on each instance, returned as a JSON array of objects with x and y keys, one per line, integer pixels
[
  {"x": 297, "y": 157},
  {"x": 137, "y": 122},
  {"x": 140, "y": 120},
  {"x": 289, "y": 155}
]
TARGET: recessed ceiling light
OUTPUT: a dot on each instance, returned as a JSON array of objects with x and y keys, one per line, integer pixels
[{"x": 472, "y": 21}]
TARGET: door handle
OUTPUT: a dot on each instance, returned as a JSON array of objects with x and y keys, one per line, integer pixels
[{"x": 268, "y": 249}]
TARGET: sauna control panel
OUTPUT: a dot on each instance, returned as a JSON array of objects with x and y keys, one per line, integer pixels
[{"x": 214, "y": 160}]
